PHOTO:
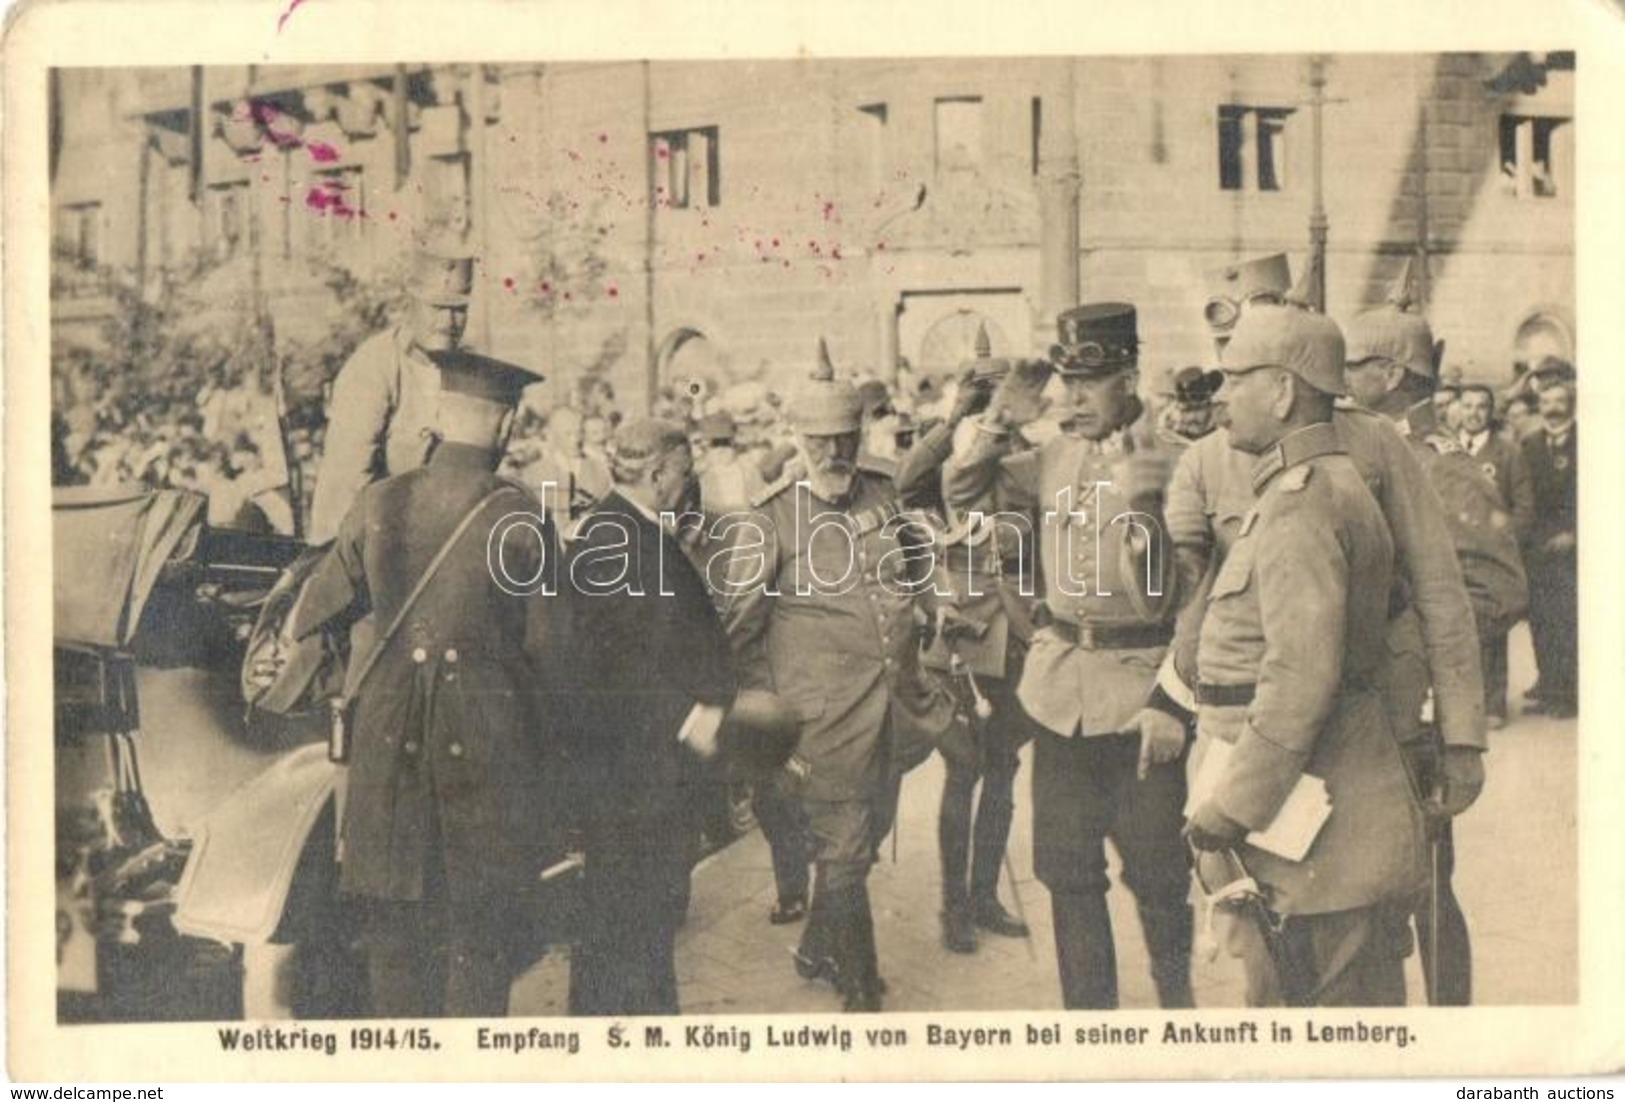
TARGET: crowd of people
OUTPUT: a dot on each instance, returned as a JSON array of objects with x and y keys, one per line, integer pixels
[{"x": 1293, "y": 572}]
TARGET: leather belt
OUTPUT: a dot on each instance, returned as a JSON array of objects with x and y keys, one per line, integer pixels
[
  {"x": 1225, "y": 696},
  {"x": 1113, "y": 636}
]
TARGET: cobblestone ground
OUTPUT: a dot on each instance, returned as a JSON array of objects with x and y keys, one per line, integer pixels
[{"x": 1515, "y": 877}]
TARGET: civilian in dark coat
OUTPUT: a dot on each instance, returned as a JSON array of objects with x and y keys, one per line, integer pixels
[
  {"x": 653, "y": 676},
  {"x": 1551, "y": 555},
  {"x": 1501, "y": 460}
]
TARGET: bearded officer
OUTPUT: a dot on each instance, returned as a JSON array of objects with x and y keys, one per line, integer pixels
[
  {"x": 819, "y": 598},
  {"x": 448, "y": 795},
  {"x": 1292, "y": 649},
  {"x": 381, "y": 415},
  {"x": 1103, "y": 766}
]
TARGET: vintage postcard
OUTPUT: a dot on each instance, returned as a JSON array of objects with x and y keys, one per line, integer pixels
[{"x": 550, "y": 540}]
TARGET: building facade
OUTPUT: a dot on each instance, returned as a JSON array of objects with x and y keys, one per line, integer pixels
[{"x": 665, "y": 223}]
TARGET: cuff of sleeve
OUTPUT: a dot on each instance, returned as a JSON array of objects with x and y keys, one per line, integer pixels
[
  {"x": 1162, "y": 702},
  {"x": 994, "y": 429},
  {"x": 703, "y": 721},
  {"x": 1259, "y": 779},
  {"x": 1171, "y": 685}
]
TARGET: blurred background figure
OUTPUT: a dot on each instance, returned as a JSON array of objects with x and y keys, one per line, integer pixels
[{"x": 1551, "y": 549}]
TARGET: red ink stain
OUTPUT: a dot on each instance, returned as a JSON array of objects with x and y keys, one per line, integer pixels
[
  {"x": 880, "y": 246},
  {"x": 393, "y": 216},
  {"x": 835, "y": 253},
  {"x": 662, "y": 152},
  {"x": 614, "y": 291},
  {"x": 265, "y": 179},
  {"x": 567, "y": 296},
  {"x": 283, "y": 18},
  {"x": 775, "y": 242},
  {"x": 547, "y": 288},
  {"x": 602, "y": 137},
  {"x": 829, "y": 210},
  {"x": 786, "y": 263},
  {"x": 329, "y": 199},
  {"x": 508, "y": 282},
  {"x": 321, "y": 152},
  {"x": 699, "y": 257}
]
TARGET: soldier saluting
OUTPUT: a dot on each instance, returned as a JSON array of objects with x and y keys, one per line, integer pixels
[
  {"x": 1104, "y": 764},
  {"x": 447, "y": 784}
]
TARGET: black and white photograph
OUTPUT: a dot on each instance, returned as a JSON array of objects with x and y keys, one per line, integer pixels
[{"x": 601, "y": 546}]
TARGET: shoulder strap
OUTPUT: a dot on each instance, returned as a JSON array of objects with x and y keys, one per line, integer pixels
[{"x": 422, "y": 584}]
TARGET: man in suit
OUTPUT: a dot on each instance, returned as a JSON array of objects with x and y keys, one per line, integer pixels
[
  {"x": 381, "y": 416},
  {"x": 449, "y": 787},
  {"x": 819, "y": 596},
  {"x": 1501, "y": 460},
  {"x": 652, "y": 677},
  {"x": 1104, "y": 764},
  {"x": 1291, "y": 647},
  {"x": 1551, "y": 552}
]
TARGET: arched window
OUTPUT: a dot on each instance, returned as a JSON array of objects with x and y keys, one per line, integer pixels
[{"x": 1541, "y": 334}]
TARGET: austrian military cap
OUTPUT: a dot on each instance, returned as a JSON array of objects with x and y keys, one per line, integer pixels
[
  {"x": 1391, "y": 333},
  {"x": 1305, "y": 343},
  {"x": 483, "y": 377},
  {"x": 1228, "y": 286},
  {"x": 1194, "y": 387},
  {"x": 1096, "y": 340},
  {"x": 441, "y": 279},
  {"x": 824, "y": 405}
]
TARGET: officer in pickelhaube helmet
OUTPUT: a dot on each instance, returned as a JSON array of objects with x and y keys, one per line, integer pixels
[
  {"x": 1104, "y": 765},
  {"x": 843, "y": 653},
  {"x": 984, "y": 625}
]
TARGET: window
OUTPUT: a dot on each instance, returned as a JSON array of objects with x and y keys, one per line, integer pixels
[
  {"x": 334, "y": 209},
  {"x": 685, "y": 168},
  {"x": 1533, "y": 150},
  {"x": 227, "y": 207},
  {"x": 446, "y": 189},
  {"x": 959, "y": 132},
  {"x": 872, "y": 119},
  {"x": 80, "y": 235},
  {"x": 1252, "y": 149}
]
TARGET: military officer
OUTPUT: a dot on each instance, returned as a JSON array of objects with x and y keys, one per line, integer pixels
[
  {"x": 1104, "y": 766},
  {"x": 1432, "y": 635},
  {"x": 447, "y": 786},
  {"x": 381, "y": 415},
  {"x": 986, "y": 625},
  {"x": 1291, "y": 651},
  {"x": 819, "y": 601}
]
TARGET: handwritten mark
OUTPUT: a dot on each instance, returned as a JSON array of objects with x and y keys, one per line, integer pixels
[{"x": 283, "y": 18}]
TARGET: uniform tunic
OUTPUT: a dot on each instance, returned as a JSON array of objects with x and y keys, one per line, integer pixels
[{"x": 383, "y": 404}]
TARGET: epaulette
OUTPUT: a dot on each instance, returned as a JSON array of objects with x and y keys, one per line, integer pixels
[
  {"x": 775, "y": 488},
  {"x": 1296, "y": 479}
]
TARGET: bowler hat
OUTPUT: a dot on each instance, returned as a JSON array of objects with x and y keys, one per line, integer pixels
[{"x": 1194, "y": 387}]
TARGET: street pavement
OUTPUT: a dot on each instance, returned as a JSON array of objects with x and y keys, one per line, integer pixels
[{"x": 1516, "y": 878}]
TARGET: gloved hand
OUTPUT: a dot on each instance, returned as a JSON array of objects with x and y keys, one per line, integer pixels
[
  {"x": 1210, "y": 829},
  {"x": 1462, "y": 777},
  {"x": 969, "y": 397},
  {"x": 1162, "y": 738}
]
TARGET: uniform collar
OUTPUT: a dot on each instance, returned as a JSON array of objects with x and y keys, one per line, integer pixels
[
  {"x": 1558, "y": 436},
  {"x": 1297, "y": 446},
  {"x": 464, "y": 457},
  {"x": 1421, "y": 420}
]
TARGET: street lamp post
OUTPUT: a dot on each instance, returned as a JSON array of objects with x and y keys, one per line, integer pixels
[{"x": 1318, "y": 226}]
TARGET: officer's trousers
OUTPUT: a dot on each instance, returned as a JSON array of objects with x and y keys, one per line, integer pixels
[
  {"x": 1085, "y": 790},
  {"x": 783, "y": 824},
  {"x": 846, "y": 837},
  {"x": 1342, "y": 958},
  {"x": 979, "y": 849},
  {"x": 1554, "y": 624}
]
